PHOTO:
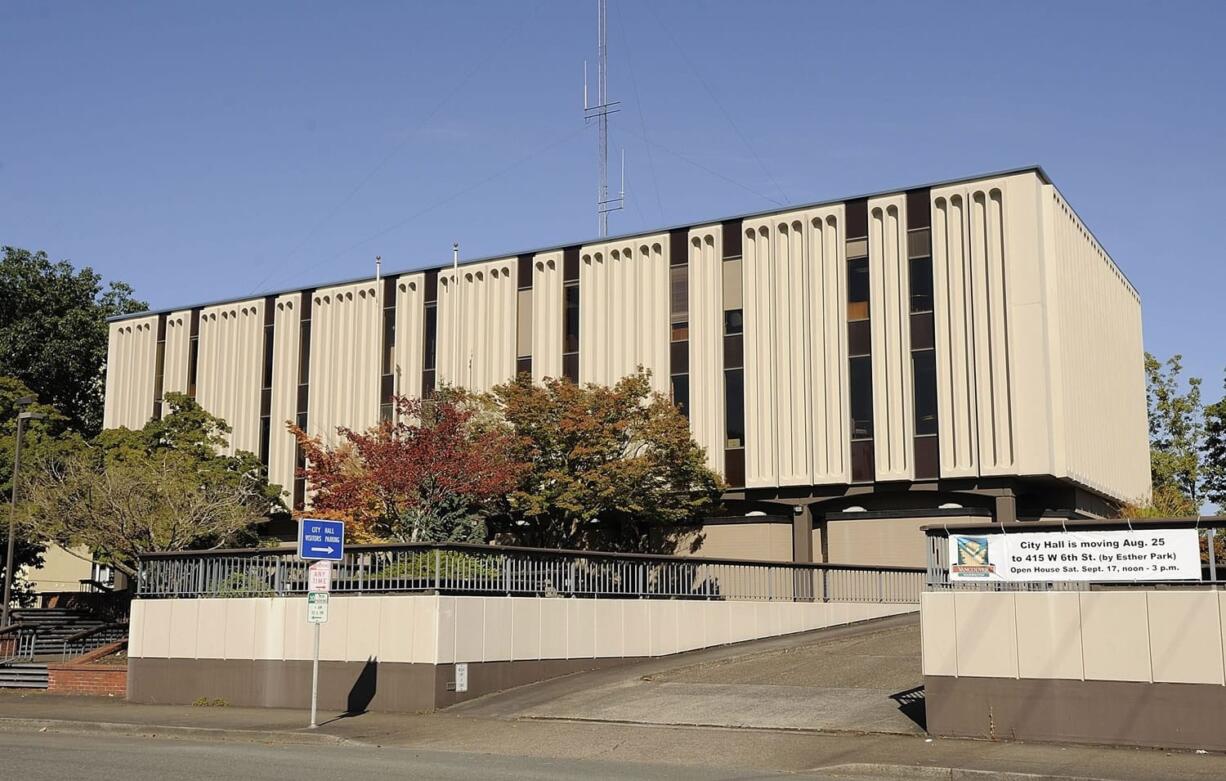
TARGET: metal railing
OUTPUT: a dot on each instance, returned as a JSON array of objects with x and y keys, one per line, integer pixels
[
  {"x": 17, "y": 644},
  {"x": 488, "y": 569},
  {"x": 92, "y": 639},
  {"x": 1211, "y": 531}
]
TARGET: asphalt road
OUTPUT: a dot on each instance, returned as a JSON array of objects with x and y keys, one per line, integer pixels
[{"x": 67, "y": 757}]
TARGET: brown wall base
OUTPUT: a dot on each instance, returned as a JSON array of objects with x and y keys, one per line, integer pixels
[
  {"x": 347, "y": 686},
  {"x": 1162, "y": 715}
]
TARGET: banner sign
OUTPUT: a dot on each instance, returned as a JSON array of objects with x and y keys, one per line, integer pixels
[{"x": 1118, "y": 555}]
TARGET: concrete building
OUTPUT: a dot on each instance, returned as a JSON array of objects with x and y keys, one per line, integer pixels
[{"x": 854, "y": 368}]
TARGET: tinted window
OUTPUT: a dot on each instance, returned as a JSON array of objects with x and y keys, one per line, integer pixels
[
  {"x": 861, "y": 387},
  {"x": 921, "y": 284},
  {"x": 389, "y": 340},
  {"x": 268, "y": 344},
  {"x": 863, "y": 468},
  {"x": 681, "y": 392},
  {"x": 734, "y": 322},
  {"x": 734, "y": 407},
  {"x": 429, "y": 349},
  {"x": 857, "y": 289},
  {"x": 679, "y": 295},
  {"x": 925, "y": 391},
  {"x": 570, "y": 332}
]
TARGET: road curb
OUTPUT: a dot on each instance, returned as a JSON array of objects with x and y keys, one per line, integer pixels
[
  {"x": 873, "y": 770},
  {"x": 173, "y": 732}
]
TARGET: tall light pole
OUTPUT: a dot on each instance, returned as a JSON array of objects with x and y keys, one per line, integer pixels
[{"x": 22, "y": 417}]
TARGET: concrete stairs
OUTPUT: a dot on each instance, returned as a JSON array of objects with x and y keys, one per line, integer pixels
[
  {"x": 58, "y": 633},
  {"x": 23, "y": 675}
]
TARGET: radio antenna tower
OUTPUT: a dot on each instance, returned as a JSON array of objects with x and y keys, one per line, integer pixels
[{"x": 600, "y": 114}]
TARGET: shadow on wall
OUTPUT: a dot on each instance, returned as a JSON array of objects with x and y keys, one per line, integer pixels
[{"x": 363, "y": 690}]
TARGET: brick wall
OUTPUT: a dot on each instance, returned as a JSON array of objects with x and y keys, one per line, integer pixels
[{"x": 97, "y": 679}]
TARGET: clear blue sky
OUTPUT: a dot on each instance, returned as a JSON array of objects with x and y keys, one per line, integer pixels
[{"x": 211, "y": 150}]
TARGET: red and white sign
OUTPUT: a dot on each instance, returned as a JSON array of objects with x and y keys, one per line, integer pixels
[{"x": 319, "y": 577}]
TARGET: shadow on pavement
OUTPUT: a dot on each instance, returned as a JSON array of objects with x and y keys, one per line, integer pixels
[{"x": 911, "y": 704}]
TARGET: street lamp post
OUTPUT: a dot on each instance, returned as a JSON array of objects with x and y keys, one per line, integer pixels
[{"x": 22, "y": 417}]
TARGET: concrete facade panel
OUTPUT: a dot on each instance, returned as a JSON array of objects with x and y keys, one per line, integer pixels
[
  {"x": 283, "y": 404},
  {"x": 476, "y": 325},
  {"x": 547, "y": 315},
  {"x": 525, "y": 628},
  {"x": 553, "y": 629},
  {"x": 230, "y": 368},
  {"x": 1115, "y": 636},
  {"x": 177, "y": 352},
  {"x": 1048, "y": 635},
  {"x": 346, "y": 338},
  {"x": 130, "y": 370},
  {"x": 624, "y": 310},
  {"x": 889, "y": 304},
  {"x": 211, "y": 636},
  {"x": 986, "y": 633},
  {"x": 409, "y": 353},
  {"x": 706, "y": 335},
  {"x": 1185, "y": 637}
]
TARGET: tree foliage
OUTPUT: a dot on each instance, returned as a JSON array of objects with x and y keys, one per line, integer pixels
[
  {"x": 42, "y": 439},
  {"x": 611, "y": 468},
  {"x": 1176, "y": 431},
  {"x": 53, "y": 331},
  {"x": 165, "y": 487},
  {"x": 1213, "y": 450},
  {"x": 432, "y": 474}
]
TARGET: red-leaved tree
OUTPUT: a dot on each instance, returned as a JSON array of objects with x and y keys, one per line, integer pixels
[{"x": 432, "y": 474}]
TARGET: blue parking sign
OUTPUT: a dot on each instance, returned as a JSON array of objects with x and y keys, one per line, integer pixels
[{"x": 321, "y": 540}]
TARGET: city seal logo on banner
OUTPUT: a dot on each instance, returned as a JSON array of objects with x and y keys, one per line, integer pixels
[{"x": 973, "y": 560}]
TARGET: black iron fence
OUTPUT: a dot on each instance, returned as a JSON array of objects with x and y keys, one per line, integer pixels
[{"x": 504, "y": 570}]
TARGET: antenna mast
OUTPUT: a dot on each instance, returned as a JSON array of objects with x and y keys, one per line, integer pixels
[{"x": 600, "y": 113}]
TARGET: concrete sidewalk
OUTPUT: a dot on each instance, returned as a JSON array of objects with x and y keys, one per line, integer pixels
[{"x": 867, "y": 756}]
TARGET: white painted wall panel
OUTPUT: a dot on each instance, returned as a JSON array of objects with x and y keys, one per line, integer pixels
[
  {"x": 828, "y": 396},
  {"x": 547, "y": 315},
  {"x": 476, "y": 325},
  {"x": 796, "y": 404},
  {"x": 1100, "y": 433},
  {"x": 346, "y": 332},
  {"x": 890, "y": 323},
  {"x": 230, "y": 369},
  {"x": 410, "y": 334},
  {"x": 758, "y": 270},
  {"x": 131, "y": 355},
  {"x": 706, "y": 324},
  {"x": 178, "y": 349},
  {"x": 283, "y": 406},
  {"x": 624, "y": 310}
]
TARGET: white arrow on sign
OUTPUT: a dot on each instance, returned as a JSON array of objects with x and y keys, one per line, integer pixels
[{"x": 328, "y": 549}]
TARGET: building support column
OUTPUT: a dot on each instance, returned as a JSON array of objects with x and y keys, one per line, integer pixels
[
  {"x": 1006, "y": 508},
  {"x": 802, "y": 534}
]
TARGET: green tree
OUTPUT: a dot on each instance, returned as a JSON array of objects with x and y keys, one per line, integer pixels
[
  {"x": 43, "y": 440},
  {"x": 1176, "y": 435},
  {"x": 167, "y": 486},
  {"x": 612, "y": 468},
  {"x": 1213, "y": 451},
  {"x": 53, "y": 331}
]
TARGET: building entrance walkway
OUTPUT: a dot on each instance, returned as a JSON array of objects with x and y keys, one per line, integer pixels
[{"x": 863, "y": 678}]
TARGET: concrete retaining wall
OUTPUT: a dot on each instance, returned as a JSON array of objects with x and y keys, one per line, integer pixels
[
  {"x": 1136, "y": 667},
  {"x": 398, "y": 652}
]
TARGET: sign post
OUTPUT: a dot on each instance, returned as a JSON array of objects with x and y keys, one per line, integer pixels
[{"x": 320, "y": 542}]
